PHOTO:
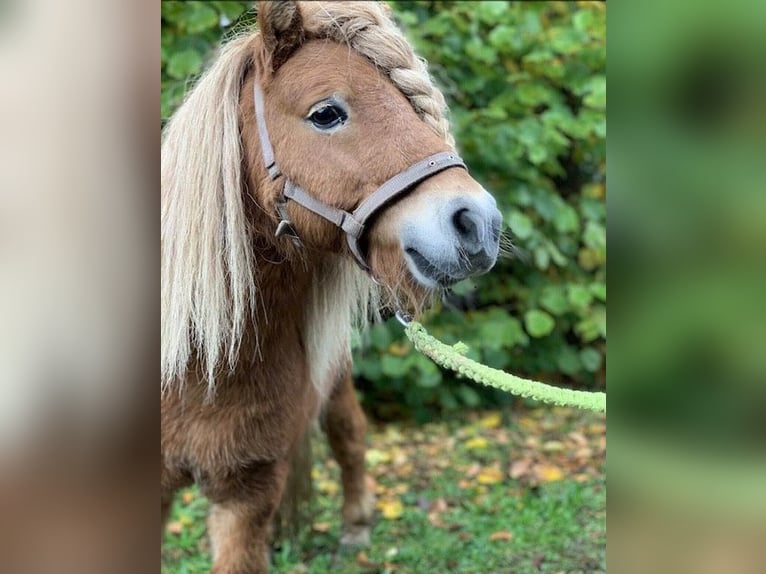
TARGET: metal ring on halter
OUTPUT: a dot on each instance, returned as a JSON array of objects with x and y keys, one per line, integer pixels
[{"x": 403, "y": 317}]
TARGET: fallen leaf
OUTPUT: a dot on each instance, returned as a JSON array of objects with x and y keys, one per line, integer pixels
[
  {"x": 364, "y": 561},
  {"x": 489, "y": 476},
  {"x": 391, "y": 509},
  {"x": 321, "y": 526},
  {"x": 548, "y": 473},
  {"x": 553, "y": 446},
  {"x": 527, "y": 423},
  {"x": 375, "y": 457},
  {"x": 503, "y": 535},
  {"x": 476, "y": 443},
  {"x": 404, "y": 470},
  {"x": 578, "y": 437},
  {"x": 465, "y": 536},
  {"x": 439, "y": 505},
  {"x": 400, "y": 488},
  {"x": 491, "y": 421},
  {"x": 435, "y": 520},
  {"x": 584, "y": 452},
  {"x": 473, "y": 470},
  {"x": 520, "y": 468}
]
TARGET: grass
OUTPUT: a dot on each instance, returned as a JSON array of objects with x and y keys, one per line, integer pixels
[{"x": 498, "y": 492}]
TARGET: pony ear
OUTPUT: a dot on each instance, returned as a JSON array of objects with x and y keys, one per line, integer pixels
[{"x": 281, "y": 27}]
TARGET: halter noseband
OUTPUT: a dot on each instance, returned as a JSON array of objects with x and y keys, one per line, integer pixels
[{"x": 352, "y": 224}]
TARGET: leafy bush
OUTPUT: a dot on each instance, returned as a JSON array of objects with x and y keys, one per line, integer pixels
[{"x": 527, "y": 91}]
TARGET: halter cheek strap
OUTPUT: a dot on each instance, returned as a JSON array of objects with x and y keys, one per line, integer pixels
[{"x": 352, "y": 224}]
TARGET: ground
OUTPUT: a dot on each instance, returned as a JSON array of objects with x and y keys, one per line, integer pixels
[{"x": 493, "y": 492}]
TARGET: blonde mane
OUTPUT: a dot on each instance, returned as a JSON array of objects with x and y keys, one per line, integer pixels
[{"x": 208, "y": 268}]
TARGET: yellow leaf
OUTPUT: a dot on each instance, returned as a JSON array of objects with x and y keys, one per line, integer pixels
[
  {"x": 489, "y": 476},
  {"x": 328, "y": 486},
  {"x": 491, "y": 421},
  {"x": 187, "y": 497},
  {"x": 391, "y": 509},
  {"x": 375, "y": 457},
  {"x": 549, "y": 473},
  {"x": 476, "y": 443}
]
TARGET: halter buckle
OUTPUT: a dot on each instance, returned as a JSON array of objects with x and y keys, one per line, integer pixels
[{"x": 285, "y": 226}]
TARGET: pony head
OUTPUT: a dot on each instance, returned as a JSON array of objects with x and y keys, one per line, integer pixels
[{"x": 348, "y": 106}]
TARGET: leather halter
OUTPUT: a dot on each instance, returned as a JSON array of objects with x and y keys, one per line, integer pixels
[{"x": 352, "y": 224}]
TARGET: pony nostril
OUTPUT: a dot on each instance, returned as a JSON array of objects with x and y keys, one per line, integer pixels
[
  {"x": 462, "y": 222},
  {"x": 466, "y": 227}
]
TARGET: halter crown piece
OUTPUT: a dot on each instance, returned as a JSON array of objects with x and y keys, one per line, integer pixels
[{"x": 352, "y": 224}]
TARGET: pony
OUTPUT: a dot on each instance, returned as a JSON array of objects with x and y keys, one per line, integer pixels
[{"x": 309, "y": 181}]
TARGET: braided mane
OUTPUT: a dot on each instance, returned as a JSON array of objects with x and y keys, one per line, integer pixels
[{"x": 368, "y": 28}]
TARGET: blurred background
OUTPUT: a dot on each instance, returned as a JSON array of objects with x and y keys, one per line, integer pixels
[{"x": 526, "y": 87}]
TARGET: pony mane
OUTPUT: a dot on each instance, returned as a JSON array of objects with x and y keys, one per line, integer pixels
[
  {"x": 208, "y": 268},
  {"x": 208, "y": 265}
]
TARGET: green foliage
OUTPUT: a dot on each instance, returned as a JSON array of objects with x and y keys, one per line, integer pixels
[
  {"x": 190, "y": 32},
  {"x": 527, "y": 91}
]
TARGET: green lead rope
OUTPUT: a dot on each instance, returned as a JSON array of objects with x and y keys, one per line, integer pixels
[{"x": 453, "y": 358}]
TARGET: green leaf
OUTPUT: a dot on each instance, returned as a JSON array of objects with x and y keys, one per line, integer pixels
[
  {"x": 599, "y": 291},
  {"x": 594, "y": 235},
  {"x": 469, "y": 396},
  {"x": 538, "y": 323},
  {"x": 568, "y": 361},
  {"x": 430, "y": 375},
  {"x": 553, "y": 298},
  {"x": 579, "y": 296},
  {"x": 380, "y": 336},
  {"x": 566, "y": 219},
  {"x": 591, "y": 359},
  {"x": 596, "y": 93},
  {"x": 232, "y": 10},
  {"x": 394, "y": 366},
  {"x": 520, "y": 225},
  {"x": 200, "y": 17},
  {"x": 183, "y": 64}
]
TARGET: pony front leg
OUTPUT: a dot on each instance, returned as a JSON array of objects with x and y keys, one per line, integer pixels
[
  {"x": 346, "y": 427},
  {"x": 239, "y": 524}
]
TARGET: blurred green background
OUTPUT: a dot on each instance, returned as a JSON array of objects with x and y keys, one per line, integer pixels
[{"x": 526, "y": 87}]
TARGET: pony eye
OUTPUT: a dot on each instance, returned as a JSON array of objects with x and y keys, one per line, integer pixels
[{"x": 328, "y": 117}]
